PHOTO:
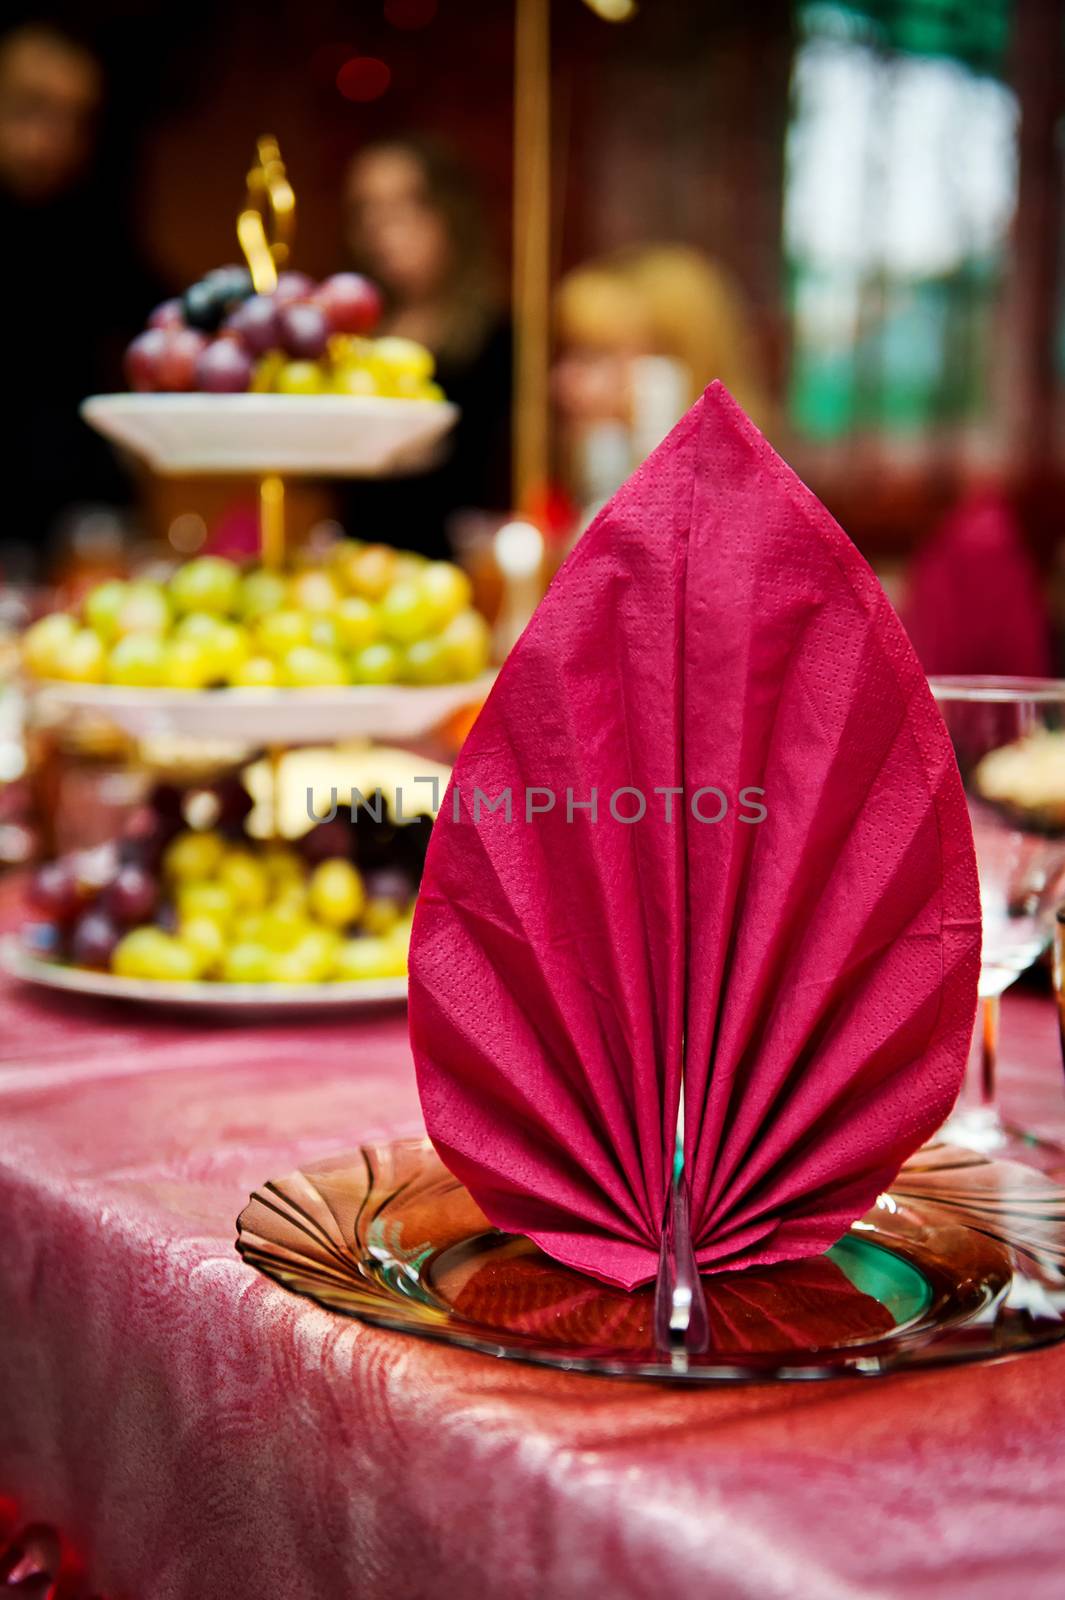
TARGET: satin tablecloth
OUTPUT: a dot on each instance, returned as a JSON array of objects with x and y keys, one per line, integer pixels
[{"x": 199, "y": 1433}]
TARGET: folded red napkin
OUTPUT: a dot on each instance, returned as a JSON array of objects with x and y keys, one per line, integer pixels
[{"x": 707, "y": 831}]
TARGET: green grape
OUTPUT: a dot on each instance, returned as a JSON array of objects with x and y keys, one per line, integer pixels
[
  {"x": 468, "y": 642},
  {"x": 198, "y": 897},
  {"x": 356, "y": 622},
  {"x": 85, "y": 658},
  {"x": 247, "y": 963},
  {"x": 308, "y": 668},
  {"x": 378, "y": 663},
  {"x": 311, "y": 960},
  {"x": 336, "y": 893},
  {"x": 313, "y": 590},
  {"x": 405, "y": 613},
  {"x": 361, "y": 959},
  {"x": 151, "y": 953},
  {"x": 325, "y": 635},
  {"x": 138, "y": 661},
  {"x": 402, "y": 358},
  {"x": 144, "y": 609},
  {"x": 282, "y": 927},
  {"x": 210, "y": 583},
  {"x": 204, "y": 937},
  {"x": 103, "y": 608},
  {"x": 189, "y": 664},
  {"x": 196, "y": 625},
  {"x": 447, "y": 589},
  {"x": 230, "y": 646},
  {"x": 194, "y": 857},
  {"x": 44, "y": 642},
  {"x": 256, "y": 672},
  {"x": 300, "y": 377},
  {"x": 282, "y": 865},
  {"x": 245, "y": 877},
  {"x": 260, "y": 593},
  {"x": 280, "y": 631},
  {"x": 427, "y": 661}
]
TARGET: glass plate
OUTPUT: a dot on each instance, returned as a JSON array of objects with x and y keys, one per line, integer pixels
[
  {"x": 962, "y": 1260},
  {"x": 245, "y": 1002}
]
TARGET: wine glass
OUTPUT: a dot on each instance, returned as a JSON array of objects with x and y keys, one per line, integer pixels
[{"x": 1009, "y": 740}]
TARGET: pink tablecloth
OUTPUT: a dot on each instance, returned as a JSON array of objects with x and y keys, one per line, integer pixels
[{"x": 201, "y": 1434}]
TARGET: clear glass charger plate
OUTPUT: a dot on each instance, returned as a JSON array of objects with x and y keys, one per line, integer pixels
[{"x": 962, "y": 1260}]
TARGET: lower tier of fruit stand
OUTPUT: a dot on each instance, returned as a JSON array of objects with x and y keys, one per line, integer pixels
[{"x": 197, "y": 1432}]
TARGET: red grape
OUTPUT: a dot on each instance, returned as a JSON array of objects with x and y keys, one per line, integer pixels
[
  {"x": 255, "y": 324},
  {"x": 303, "y": 331},
  {"x": 293, "y": 286},
  {"x": 132, "y": 895},
  {"x": 328, "y": 839},
  {"x": 93, "y": 940},
  {"x": 176, "y": 367},
  {"x": 143, "y": 357},
  {"x": 235, "y": 804},
  {"x": 223, "y": 368},
  {"x": 351, "y": 303},
  {"x": 54, "y": 889},
  {"x": 167, "y": 314},
  {"x": 388, "y": 883}
]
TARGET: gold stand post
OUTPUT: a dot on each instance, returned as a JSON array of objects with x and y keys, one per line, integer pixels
[
  {"x": 532, "y": 246},
  {"x": 272, "y": 522}
]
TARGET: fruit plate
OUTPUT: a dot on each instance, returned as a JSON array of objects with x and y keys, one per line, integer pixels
[
  {"x": 246, "y": 1002},
  {"x": 962, "y": 1260},
  {"x": 263, "y": 717},
  {"x": 324, "y": 435}
]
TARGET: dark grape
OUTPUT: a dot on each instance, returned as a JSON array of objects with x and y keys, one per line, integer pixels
[
  {"x": 293, "y": 286},
  {"x": 233, "y": 283},
  {"x": 167, "y": 314},
  {"x": 351, "y": 303},
  {"x": 176, "y": 367},
  {"x": 167, "y": 800},
  {"x": 54, "y": 889},
  {"x": 206, "y": 304},
  {"x": 328, "y": 839},
  {"x": 235, "y": 805},
  {"x": 203, "y": 306},
  {"x": 131, "y": 896},
  {"x": 93, "y": 940},
  {"x": 255, "y": 324},
  {"x": 303, "y": 331},
  {"x": 142, "y": 359},
  {"x": 412, "y": 842},
  {"x": 223, "y": 368},
  {"x": 389, "y": 883}
]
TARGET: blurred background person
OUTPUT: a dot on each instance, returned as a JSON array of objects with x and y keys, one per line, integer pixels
[
  {"x": 69, "y": 279},
  {"x": 641, "y": 333},
  {"x": 414, "y": 224}
]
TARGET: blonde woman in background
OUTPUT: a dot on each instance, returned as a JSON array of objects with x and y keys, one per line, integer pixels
[{"x": 641, "y": 333}]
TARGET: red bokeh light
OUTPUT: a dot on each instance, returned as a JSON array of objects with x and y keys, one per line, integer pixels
[
  {"x": 364, "y": 78},
  {"x": 410, "y": 14},
  {"x": 328, "y": 59}
]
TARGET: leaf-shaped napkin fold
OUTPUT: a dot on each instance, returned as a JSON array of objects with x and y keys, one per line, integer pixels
[{"x": 707, "y": 837}]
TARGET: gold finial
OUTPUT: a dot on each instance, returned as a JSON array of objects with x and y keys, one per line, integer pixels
[{"x": 266, "y": 225}]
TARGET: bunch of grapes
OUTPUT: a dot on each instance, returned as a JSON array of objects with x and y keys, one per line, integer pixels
[
  {"x": 369, "y": 615},
  {"x": 221, "y": 337},
  {"x": 171, "y": 901}
]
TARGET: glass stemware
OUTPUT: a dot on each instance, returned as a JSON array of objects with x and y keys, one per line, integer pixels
[{"x": 1009, "y": 740}]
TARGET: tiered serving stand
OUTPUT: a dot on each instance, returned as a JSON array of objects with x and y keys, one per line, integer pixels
[{"x": 269, "y": 436}]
